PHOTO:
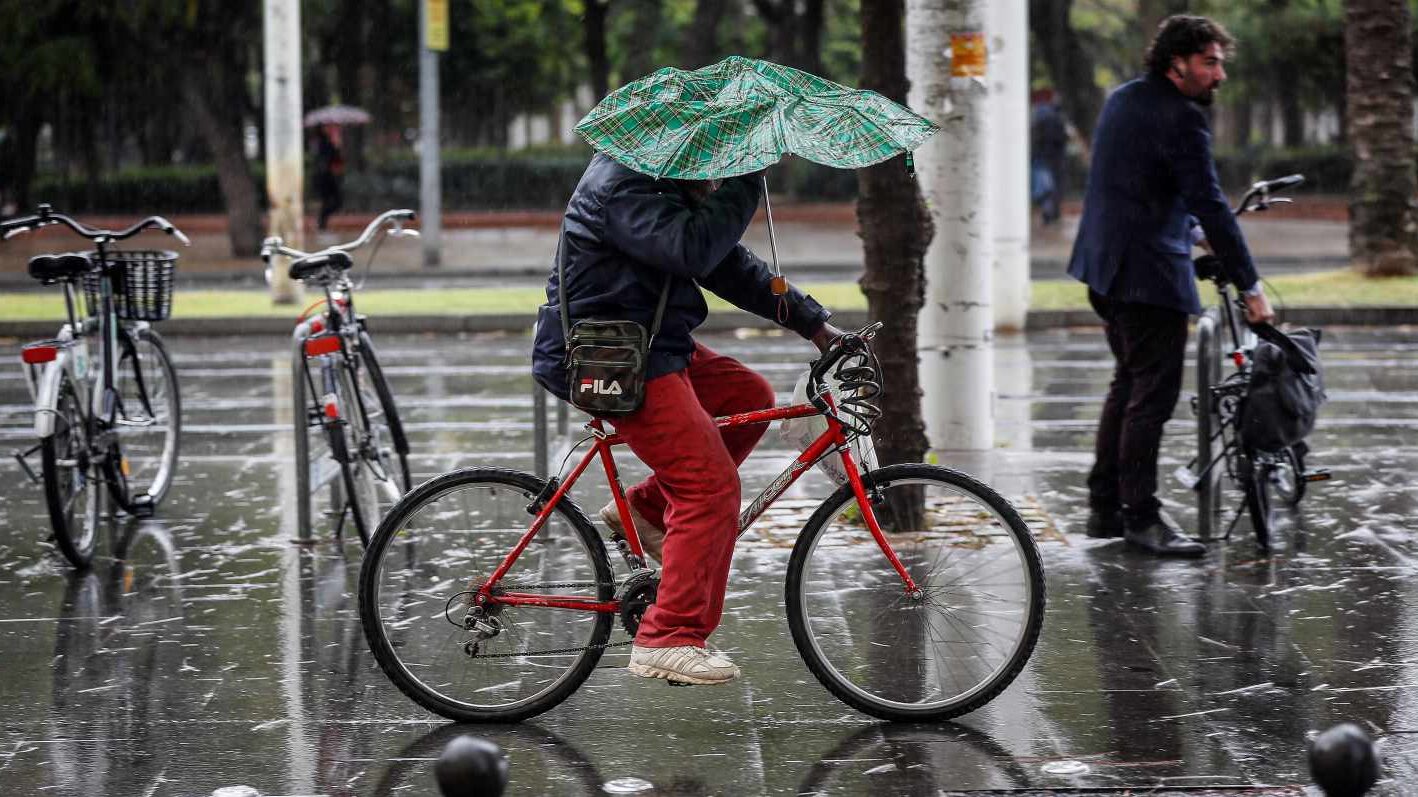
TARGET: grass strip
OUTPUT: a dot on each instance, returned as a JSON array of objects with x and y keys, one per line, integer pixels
[{"x": 1327, "y": 288}]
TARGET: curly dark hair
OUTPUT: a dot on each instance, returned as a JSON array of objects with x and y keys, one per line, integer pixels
[{"x": 1181, "y": 36}]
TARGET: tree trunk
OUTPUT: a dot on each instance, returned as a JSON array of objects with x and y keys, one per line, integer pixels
[
  {"x": 640, "y": 58},
  {"x": 1292, "y": 116},
  {"x": 1070, "y": 65},
  {"x": 594, "y": 26},
  {"x": 219, "y": 121},
  {"x": 700, "y": 44},
  {"x": 810, "y": 42},
  {"x": 895, "y": 229},
  {"x": 1379, "y": 63},
  {"x": 782, "y": 22}
]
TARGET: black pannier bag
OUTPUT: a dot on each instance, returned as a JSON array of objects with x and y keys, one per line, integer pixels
[
  {"x": 1286, "y": 389},
  {"x": 605, "y": 360}
]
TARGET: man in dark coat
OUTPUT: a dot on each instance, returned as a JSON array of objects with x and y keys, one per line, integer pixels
[
  {"x": 627, "y": 235},
  {"x": 1151, "y": 181}
]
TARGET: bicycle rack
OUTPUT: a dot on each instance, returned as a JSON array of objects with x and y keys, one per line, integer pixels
[{"x": 300, "y": 420}]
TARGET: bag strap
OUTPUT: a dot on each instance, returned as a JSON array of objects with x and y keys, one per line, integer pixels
[{"x": 562, "y": 305}]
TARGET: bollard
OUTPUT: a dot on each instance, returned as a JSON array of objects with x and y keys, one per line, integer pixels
[
  {"x": 540, "y": 443},
  {"x": 471, "y": 767},
  {"x": 1343, "y": 761}
]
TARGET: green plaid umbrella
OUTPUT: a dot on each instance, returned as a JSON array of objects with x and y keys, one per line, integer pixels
[{"x": 741, "y": 115}]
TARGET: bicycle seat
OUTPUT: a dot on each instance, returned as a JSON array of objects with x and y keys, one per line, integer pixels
[
  {"x": 52, "y": 268},
  {"x": 310, "y": 266}
]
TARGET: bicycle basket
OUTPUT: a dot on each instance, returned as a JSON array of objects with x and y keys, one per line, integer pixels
[{"x": 142, "y": 284}]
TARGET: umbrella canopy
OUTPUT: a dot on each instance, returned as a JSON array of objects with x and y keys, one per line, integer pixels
[
  {"x": 741, "y": 115},
  {"x": 337, "y": 115}
]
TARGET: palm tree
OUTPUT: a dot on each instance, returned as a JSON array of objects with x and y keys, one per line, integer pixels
[
  {"x": 895, "y": 229},
  {"x": 1379, "y": 59}
]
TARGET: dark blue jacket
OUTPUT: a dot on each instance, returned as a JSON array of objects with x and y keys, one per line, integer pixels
[
  {"x": 1152, "y": 171},
  {"x": 625, "y": 233}
]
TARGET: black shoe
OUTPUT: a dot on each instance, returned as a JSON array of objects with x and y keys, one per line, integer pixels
[
  {"x": 1164, "y": 538},
  {"x": 1104, "y": 523}
]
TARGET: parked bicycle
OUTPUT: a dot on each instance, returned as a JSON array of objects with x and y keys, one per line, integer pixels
[
  {"x": 1223, "y": 454},
  {"x": 914, "y": 592},
  {"x": 108, "y": 427},
  {"x": 340, "y": 389}
]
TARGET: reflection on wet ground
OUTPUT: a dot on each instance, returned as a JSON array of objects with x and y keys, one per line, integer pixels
[{"x": 205, "y": 650}]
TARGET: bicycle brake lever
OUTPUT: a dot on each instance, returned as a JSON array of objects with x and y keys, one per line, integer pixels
[{"x": 15, "y": 232}]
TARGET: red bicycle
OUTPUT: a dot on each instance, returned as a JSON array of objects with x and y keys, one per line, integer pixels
[{"x": 913, "y": 593}]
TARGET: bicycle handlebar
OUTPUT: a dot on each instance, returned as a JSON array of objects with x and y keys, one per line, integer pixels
[
  {"x": 45, "y": 216},
  {"x": 1263, "y": 190},
  {"x": 393, "y": 218},
  {"x": 863, "y": 377}
]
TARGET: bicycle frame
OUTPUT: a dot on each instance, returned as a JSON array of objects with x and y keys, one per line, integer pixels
[{"x": 833, "y": 438}]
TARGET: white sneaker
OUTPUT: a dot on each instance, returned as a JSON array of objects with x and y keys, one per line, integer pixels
[
  {"x": 685, "y": 664},
  {"x": 652, "y": 537}
]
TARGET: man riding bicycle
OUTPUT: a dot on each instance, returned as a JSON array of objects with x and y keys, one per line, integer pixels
[
  {"x": 625, "y": 235},
  {"x": 1151, "y": 182}
]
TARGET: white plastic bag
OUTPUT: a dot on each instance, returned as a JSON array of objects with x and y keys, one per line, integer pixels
[{"x": 801, "y": 432}]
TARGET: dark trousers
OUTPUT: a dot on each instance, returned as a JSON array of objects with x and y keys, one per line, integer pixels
[{"x": 1149, "y": 348}]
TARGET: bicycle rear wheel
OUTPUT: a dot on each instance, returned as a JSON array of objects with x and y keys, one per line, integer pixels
[
  {"x": 75, "y": 490},
  {"x": 150, "y": 417},
  {"x": 980, "y": 605},
  {"x": 433, "y": 551}
]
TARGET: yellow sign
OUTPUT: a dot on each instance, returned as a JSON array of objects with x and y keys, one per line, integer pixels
[
  {"x": 968, "y": 55},
  {"x": 436, "y": 22}
]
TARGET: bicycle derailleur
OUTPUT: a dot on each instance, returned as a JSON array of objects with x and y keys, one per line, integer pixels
[
  {"x": 482, "y": 622},
  {"x": 635, "y": 595}
]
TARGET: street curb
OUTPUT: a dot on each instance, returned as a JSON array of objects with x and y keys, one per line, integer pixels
[{"x": 716, "y": 322}]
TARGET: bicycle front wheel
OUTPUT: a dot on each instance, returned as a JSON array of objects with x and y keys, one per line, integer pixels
[
  {"x": 955, "y": 645},
  {"x": 150, "y": 420},
  {"x": 435, "y": 549},
  {"x": 379, "y": 400},
  {"x": 74, "y": 484}
]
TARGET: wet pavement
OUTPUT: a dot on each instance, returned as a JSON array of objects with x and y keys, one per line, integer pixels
[{"x": 205, "y": 650}]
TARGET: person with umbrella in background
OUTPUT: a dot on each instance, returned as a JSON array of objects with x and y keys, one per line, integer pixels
[
  {"x": 329, "y": 172},
  {"x": 327, "y": 122},
  {"x": 663, "y": 206}
]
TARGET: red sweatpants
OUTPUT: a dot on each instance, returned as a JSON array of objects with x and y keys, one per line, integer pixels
[{"x": 694, "y": 491}]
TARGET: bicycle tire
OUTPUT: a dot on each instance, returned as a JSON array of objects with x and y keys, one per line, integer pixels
[
  {"x": 800, "y": 579},
  {"x": 356, "y": 471},
  {"x": 1255, "y": 480},
  {"x": 1290, "y": 488},
  {"x": 567, "y": 543},
  {"x": 390, "y": 409},
  {"x": 77, "y": 538},
  {"x": 1207, "y": 423},
  {"x": 156, "y": 398}
]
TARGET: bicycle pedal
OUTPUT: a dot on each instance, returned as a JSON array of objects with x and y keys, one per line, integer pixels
[{"x": 1317, "y": 476}]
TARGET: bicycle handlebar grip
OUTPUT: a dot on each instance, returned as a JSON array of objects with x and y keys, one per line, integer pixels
[{"x": 1288, "y": 181}]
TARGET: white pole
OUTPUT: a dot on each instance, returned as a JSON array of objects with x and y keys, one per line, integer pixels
[
  {"x": 1009, "y": 157},
  {"x": 285, "y": 164},
  {"x": 946, "y": 63},
  {"x": 430, "y": 185}
]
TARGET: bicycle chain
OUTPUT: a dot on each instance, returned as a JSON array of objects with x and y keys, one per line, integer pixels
[{"x": 563, "y": 584}]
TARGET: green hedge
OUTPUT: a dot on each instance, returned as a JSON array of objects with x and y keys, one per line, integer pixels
[{"x": 543, "y": 179}]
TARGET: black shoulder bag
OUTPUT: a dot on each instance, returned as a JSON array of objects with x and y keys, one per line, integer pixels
[{"x": 605, "y": 360}]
